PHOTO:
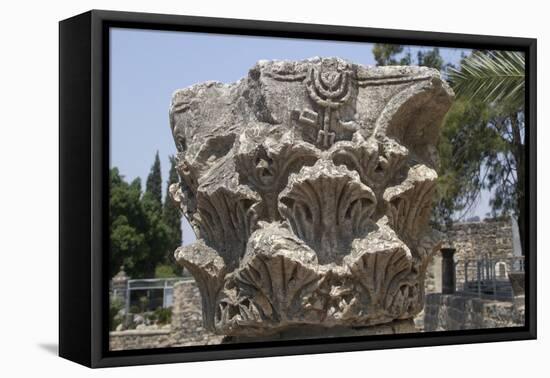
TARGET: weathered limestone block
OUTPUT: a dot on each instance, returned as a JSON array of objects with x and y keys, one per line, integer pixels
[{"x": 309, "y": 186}]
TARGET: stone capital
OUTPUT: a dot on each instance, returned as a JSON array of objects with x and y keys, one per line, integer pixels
[{"x": 309, "y": 185}]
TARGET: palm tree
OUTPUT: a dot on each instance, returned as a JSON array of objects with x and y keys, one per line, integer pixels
[{"x": 492, "y": 77}]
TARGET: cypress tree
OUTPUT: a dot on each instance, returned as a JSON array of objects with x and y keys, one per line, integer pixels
[
  {"x": 153, "y": 187},
  {"x": 157, "y": 236},
  {"x": 171, "y": 214}
]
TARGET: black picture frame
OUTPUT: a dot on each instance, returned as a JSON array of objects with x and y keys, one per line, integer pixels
[{"x": 83, "y": 179}]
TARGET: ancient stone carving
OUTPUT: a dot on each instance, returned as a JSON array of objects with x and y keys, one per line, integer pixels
[{"x": 309, "y": 186}]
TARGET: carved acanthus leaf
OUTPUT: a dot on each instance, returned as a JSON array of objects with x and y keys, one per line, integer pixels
[
  {"x": 382, "y": 265},
  {"x": 265, "y": 163},
  {"x": 409, "y": 203},
  {"x": 269, "y": 285},
  {"x": 327, "y": 207},
  {"x": 209, "y": 270},
  {"x": 377, "y": 162},
  {"x": 227, "y": 216}
]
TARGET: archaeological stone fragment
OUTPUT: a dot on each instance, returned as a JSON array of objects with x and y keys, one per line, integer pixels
[{"x": 309, "y": 186}]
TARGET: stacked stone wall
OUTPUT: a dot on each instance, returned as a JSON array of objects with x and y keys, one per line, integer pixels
[
  {"x": 139, "y": 339},
  {"x": 490, "y": 238},
  {"x": 448, "y": 312},
  {"x": 186, "y": 328}
]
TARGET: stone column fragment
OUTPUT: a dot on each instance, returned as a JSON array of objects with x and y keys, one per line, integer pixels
[{"x": 309, "y": 185}]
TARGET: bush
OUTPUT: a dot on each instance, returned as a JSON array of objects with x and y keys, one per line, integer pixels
[
  {"x": 165, "y": 271},
  {"x": 163, "y": 315},
  {"x": 134, "y": 309},
  {"x": 143, "y": 303},
  {"x": 115, "y": 306}
]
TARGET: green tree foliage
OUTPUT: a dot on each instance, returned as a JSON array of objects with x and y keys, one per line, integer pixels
[
  {"x": 481, "y": 148},
  {"x": 495, "y": 78},
  {"x": 388, "y": 55},
  {"x": 165, "y": 271},
  {"x": 128, "y": 225},
  {"x": 141, "y": 238},
  {"x": 158, "y": 233},
  {"x": 154, "y": 182},
  {"x": 171, "y": 214},
  {"x": 430, "y": 58},
  {"x": 115, "y": 305},
  {"x": 396, "y": 55},
  {"x": 465, "y": 143}
]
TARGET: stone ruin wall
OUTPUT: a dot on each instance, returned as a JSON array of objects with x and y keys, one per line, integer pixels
[
  {"x": 443, "y": 312},
  {"x": 490, "y": 238},
  {"x": 447, "y": 312},
  {"x": 139, "y": 339},
  {"x": 186, "y": 327}
]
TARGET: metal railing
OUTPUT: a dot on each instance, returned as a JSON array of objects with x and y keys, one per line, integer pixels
[
  {"x": 158, "y": 291},
  {"x": 488, "y": 277}
]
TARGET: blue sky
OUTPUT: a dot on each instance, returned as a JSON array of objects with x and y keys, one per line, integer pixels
[{"x": 148, "y": 66}]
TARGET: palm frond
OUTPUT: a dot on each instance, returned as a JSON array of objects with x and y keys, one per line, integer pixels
[{"x": 492, "y": 77}]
